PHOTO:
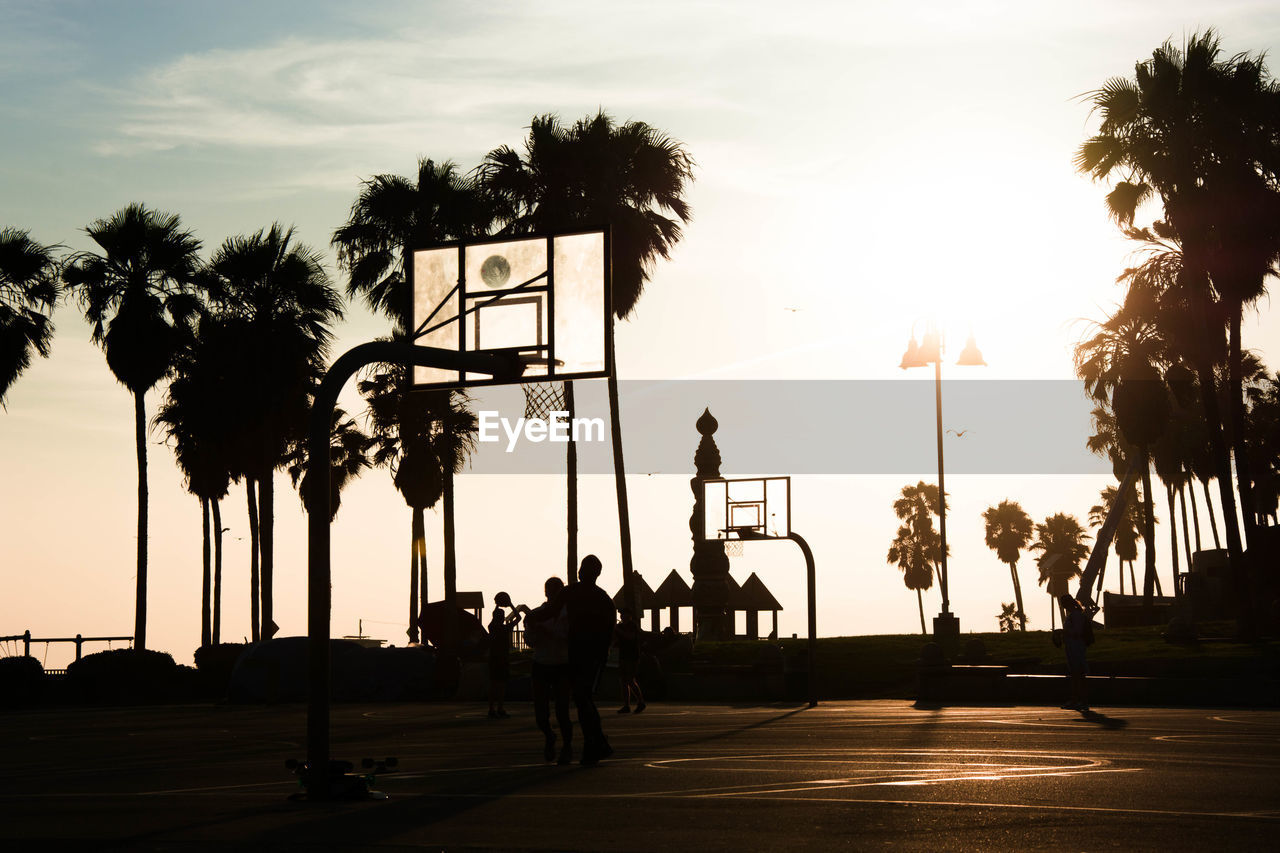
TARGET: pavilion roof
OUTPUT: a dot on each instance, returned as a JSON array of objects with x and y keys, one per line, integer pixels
[
  {"x": 673, "y": 592},
  {"x": 644, "y": 593},
  {"x": 757, "y": 595}
]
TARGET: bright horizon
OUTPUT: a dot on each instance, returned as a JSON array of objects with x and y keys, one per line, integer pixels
[{"x": 860, "y": 170}]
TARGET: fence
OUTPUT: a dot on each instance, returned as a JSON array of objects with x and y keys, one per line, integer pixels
[{"x": 79, "y": 641}]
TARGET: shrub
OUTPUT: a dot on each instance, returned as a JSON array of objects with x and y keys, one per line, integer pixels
[
  {"x": 20, "y": 680},
  {"x": 215, "y": 664},
  {"x": 125, "y": 675}
]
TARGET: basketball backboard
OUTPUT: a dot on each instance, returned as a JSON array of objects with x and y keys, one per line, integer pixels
[
  {"x": 748, "y": 508},
  {"x": 544, "y": 299}
]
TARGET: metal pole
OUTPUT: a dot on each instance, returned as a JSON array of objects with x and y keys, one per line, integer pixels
[
  {"x": 811, "y": 576},
  {"x": 318, "y": 777},
  {"x": 942, "y": 487}
]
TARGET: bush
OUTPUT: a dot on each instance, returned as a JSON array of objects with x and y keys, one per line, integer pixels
[
  {"x": 215, "y": 664},
  {"x": 21, "y": 679},
  {"x": 128, "y": 675}
]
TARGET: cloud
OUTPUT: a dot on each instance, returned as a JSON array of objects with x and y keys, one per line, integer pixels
[{"x": 355, "y": 93}]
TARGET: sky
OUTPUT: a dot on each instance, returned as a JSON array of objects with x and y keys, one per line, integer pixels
[{"x": 862, "y": 169}]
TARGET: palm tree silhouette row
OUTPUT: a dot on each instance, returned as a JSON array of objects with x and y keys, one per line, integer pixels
[
  {"x": 1196, "y": 131},
  {"x": 276, "y": 298}
]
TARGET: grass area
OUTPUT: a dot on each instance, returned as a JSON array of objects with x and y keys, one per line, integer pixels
[{"x": 885, "y": 664}]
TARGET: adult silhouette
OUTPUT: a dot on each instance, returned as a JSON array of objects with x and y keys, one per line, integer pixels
[{"x": 591, "y": 621}]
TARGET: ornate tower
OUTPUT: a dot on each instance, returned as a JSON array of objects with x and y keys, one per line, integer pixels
[{"x": 709, "y": 565}]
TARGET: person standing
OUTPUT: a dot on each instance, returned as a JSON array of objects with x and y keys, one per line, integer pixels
[
  {"x": 1077, "y": 635},
  {"x": 500, "y": 652},
  {"x": 591, "y": 621},
  {"x": 626, "y": 636},
  {"x": 546, "y": 630}
]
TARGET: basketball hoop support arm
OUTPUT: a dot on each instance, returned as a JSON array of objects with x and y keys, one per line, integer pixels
[
  {"x": 811, "y": 583},
  {"x": 813, "y": 616},
  {"x": 319, "y": 775}
]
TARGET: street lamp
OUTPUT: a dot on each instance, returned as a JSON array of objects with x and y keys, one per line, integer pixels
[{"x": 945, "y": 626}]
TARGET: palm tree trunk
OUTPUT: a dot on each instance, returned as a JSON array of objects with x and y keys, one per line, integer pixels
[
  {"x": 216, "y": 635},
  {"x": 450, "y": 565},
  {"x": 1053, "y": 609},
  {"x": 1122, "y": 577},
  {"x": 1173, "y": 537},
  {"x": 1213, "y": 522},
  {"x": 1195, "y": 512},
  {"x": 1247, "y": 576},
  {"x": 1226, "y": 494},
  {"x": 266, "y": 527},
  {"x": 140, "y": 605},
  {"x": 1148, "y": 536},
  {"x": 255, "y": 624},
  {"x": 1017, "y": 595},
  {"x": 1244, "y": 475},
  {"x": 571, "y": 490},
  {"x": 1186, "y": 535},
  {"x": 413, "y": 578},
  {"x": 1133, "y": 580},
  {"x": 920, "y": 604},
  {"x": 206, "y": 578},
  {"x": 620, "y": 484},
  {"x": 423, "y": 600}
]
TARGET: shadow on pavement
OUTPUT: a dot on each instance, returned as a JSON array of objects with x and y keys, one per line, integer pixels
[{"x": 1103, "y": 720}]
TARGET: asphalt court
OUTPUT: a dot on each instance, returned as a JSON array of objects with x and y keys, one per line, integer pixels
[{"x": 849, "y": 774}]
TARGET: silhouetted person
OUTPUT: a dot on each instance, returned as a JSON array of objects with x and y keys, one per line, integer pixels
[
  {"x": 546, "y": 630},
  {"x": 1077, "y": 634},
  {"x": 626, "y": 636},
  {"x": 591, "y": 618},
  {"x": 500, "y": 654}
]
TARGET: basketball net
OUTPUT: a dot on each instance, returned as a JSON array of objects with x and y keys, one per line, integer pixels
[
  {"x": 733, "y": 547},
  {"x": 543, "y": 398}
]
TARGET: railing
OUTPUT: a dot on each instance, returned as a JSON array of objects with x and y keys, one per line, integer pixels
[{"x": 79, "y": 641}]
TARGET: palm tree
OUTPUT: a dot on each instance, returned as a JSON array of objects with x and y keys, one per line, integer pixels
[
  {"x": 348, "y": 456},
  {"x": 453, "y": 440},
  {"x": 197, "y": 417},
  {"x": 28, "y": 291},
  {"x": 1008, "y": 530},
  {"x": 1061, "y": 543},
  {"x": 1198, "y": 133},
  {"x": 424, "y": 437},
  {"x": 1008, "y": 618},
  {"x": 631, "y": 177},
  {"x": 1263, "y": 440},
  {"x": 277, "y": 295},
  {"x": 917, "y": 547},
  {"x": 1126, "y": 535},
  {"x": 391, "y": 214},
  {"x": 137, "y": 295},
  {"x": 399, "y": 433},
  {"x": 912, "y": 551}
]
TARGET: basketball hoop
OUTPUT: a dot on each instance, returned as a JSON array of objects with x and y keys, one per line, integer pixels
[
  {"x": 733, "y": 547},
  {"x": 543, "y": 398}
]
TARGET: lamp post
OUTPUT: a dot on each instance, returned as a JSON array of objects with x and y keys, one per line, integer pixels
[{"x": 946, "y": 627}]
